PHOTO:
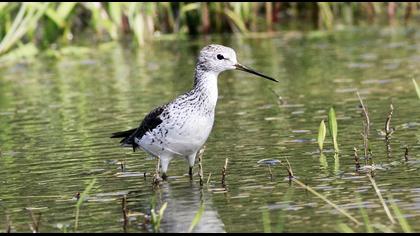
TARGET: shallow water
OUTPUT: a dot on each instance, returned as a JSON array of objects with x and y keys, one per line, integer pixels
[{"x": 56, "y": 116}]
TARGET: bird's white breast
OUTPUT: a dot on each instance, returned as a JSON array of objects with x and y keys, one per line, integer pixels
[{"x": 189, "y": 123}]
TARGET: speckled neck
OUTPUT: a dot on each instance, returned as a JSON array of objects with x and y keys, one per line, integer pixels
[{"x": 205, "y": 86}]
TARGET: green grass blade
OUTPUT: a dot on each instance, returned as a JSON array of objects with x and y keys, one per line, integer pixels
[
  {"x": 236, "y": 20},
  {"x": 266, "y": 221},
  {"x": 115, "y": 11},
  {"x": 383, "y": 228},
  {"x": 344, "y": 228},
  {"x": 197, "y": 218},
  {"x": 65, "y": 8},
  {"x": 189, "y": 7},
  {"x": 60, "y": 15},
  {"x": 416, "y": 86},
  {"x": 321, "y": 135},
  {"x": 326, "y": 14},
  {"x": 398, "y": 214},
  {"x": 80, "y": 201},
  {"x": 365, "y": 216},
  {"x": 157, "y": 218},
  {"x": 339, "y": 209},
  {"x": 161, "y": 211},
  {"x": 85, "y": 192},
  {"x": 5, "y": 43},
  {"x": 55, "y": 17},
  {"x": 27, "y": 17},
  {"x": 333, "y": 127}
]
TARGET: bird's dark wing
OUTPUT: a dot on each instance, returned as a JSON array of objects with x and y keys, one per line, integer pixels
[{"x": 149, "y": 123}]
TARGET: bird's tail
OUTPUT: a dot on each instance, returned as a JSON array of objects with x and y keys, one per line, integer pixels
[{"x": 125, "y": 135}]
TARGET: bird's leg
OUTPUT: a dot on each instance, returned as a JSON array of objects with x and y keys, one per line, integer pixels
[
  {"x": 191, "y": 172},
  {"x": 165, "y": 164},
  {"x": 191, "y": 161}
]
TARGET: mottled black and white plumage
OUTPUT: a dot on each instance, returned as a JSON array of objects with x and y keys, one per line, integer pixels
[{"x": 182, "y": 126}]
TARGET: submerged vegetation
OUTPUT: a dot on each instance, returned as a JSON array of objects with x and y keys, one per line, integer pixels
[{"x": 44, "y": 25}]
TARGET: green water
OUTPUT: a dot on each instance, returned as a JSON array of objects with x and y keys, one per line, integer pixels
[{"x": 57, "y": 113}]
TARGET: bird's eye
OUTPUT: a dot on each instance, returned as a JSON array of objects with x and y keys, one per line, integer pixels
[{"x": 220, "y": 57}]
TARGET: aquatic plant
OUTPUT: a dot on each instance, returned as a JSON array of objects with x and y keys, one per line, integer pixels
[
  {"x": 388, "y": 131},
  {"x": 224, "y": 170},
  {"x": 366, "y": 127},
  {"x": 321, "y": 135},
  {"x": 333, "y": 127},
  {"x": 156, "y": 218},
  {"x": 266, "y": 221},
  {"x": 48, "y": 23},
  {"x": 371, "y": 226},
  {"x": 378, "y": 192},
  {"x": 398, "y": 214},
  {"x": 313, "y": 191},
  {"x": 35, "y": 221},
  {"x": 81, "y": 200},
  {"x": 197, "y": 217},
  {"x": 346, "y": 228},
  {"x": 200, "y": 165},
  {"x": 416, "y": 86}
]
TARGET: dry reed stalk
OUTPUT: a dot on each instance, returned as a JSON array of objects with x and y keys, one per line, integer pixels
[
  {"x": 208, "y": 179},
  {"x": 35, "y": 222},
  {"x": 388, "y": 131},
  {"x": 378, "y": 192},
  {"x": 224, "y": 172},
  {"x": 8, "y": 224},
  {"x": 366, "y": 127},
  {"x": 124, "y": 211},
  {"x": 342, "y": 211},
  {"x": 356, "y": 159},
  {"x": 200, "y": 165}
]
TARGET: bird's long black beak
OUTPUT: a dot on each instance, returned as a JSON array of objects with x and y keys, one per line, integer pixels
[{"x": 249, "y": 70}]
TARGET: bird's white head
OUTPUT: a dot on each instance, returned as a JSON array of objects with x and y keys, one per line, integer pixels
[{"x": 217, "y": 58}]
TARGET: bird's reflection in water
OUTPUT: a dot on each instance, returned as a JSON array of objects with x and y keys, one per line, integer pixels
[{"x": 182, "y": 208}]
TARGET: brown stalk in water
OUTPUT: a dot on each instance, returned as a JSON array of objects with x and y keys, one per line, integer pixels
[
  {"x": 8, "y": 224},
  {"x": 35, "y": 222},
  {"x": 208, "y": 179},
  {"x": 200, "y": 165},
  {"x": 388, "y": 131},
  {"x": 156, "y": 177},
  {"x": 271, "y": 173},
  {"x": 366, "y": 127},
  {"x": 356, "y": 159},
  {"x": 289, "y": 169},
  {"x": 124, "y": 211},
  {"x": 224, "y": 172}
]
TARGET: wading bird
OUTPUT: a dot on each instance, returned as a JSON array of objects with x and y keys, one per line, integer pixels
[{"x": 182, "y": 126}]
